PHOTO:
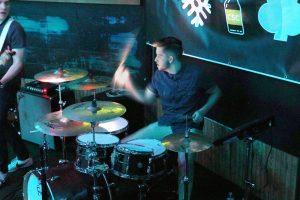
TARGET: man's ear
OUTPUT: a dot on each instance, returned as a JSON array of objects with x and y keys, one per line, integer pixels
[{"x": 171, "y": 59}]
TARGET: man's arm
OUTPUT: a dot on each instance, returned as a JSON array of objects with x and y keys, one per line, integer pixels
[
  {"x": 16, "y": 67},
  {"x": 214, "y": 95},
  {"x": 123, "y": 79}
]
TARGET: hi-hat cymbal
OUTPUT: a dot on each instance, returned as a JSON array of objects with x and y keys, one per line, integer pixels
[
  {"x": 178, "y": 143},
  {"x": 56, "y": 125},
  {"x": 60, "y": 75},
  {"x": 91, "y": 83},
  {"x": 94, "y": 111}
]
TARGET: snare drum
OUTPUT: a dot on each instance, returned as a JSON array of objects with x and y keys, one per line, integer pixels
[
  {"x": 139, "y": 159},
  {"x": 114, "y": 126},
  {"x": 104, "y": 146},
  {"x": 63, "y": 182}
]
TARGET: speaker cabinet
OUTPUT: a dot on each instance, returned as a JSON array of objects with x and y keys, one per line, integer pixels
[{"x": 33, "y": 107}]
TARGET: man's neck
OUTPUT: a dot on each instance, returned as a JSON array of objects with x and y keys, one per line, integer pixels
[
  {"x": 175, "y": 67},
  {"x": 1, "y": 21}
]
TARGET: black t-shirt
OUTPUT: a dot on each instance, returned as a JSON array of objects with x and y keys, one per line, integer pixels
[{"x": 15, "y": 39}]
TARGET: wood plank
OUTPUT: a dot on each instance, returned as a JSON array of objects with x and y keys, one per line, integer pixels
[{"x": 275, "y": 177}]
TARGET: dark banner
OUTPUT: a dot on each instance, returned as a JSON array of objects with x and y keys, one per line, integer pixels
[{"x": 257, "y": 36}]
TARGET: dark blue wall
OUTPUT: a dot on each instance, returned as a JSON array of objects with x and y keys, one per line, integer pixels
[
  {"x": 89, "y": 36},
  {"x": 248, "y": 97}
]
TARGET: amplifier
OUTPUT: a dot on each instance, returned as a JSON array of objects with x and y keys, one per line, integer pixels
[
  {"x": 33, "y": 107},
  {"x": 39, "y": 88}
]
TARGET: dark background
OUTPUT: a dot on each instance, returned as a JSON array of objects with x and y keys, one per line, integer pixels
[{"x": 96, "y": 36}]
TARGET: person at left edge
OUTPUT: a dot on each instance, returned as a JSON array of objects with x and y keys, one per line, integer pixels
[{"x": 11, "y": 67}]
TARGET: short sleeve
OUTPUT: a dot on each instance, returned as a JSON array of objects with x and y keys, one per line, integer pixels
[{"x": 18, "y": 36}]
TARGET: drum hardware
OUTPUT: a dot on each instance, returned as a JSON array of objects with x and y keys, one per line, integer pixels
[
  {"x": 63, "y": 182},
  {"x": 91, "y": 83},
  {"x": 91, "y": 112},
  {"x": 44, "y": 161},
  {"x": 55, "y": 124},
  {"x": 140, "y": 159},
  {"x": 94, "y": 111},
  {"x": 186, "y": 143},
  {"x": 60, "y": 75}
]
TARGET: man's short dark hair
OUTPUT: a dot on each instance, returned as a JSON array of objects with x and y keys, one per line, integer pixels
[{"x": 171, "y": 44}]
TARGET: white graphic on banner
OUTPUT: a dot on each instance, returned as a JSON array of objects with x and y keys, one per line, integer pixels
[{"x": 198, "y": 8}]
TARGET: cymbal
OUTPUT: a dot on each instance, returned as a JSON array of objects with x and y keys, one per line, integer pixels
[
  {"x": 55, "y": 124},
  {"x": 59, "y": 75},
  {"x": 91, "y": 83},
  {"x": 178, "y": 143},
  {"x": 94, "y": 111}
]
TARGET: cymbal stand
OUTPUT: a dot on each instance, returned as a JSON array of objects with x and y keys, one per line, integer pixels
[
  {"x": 63, "y": 139},
  {"x": 96, "y": 188},
  {"x": 44, "y": 168},
  {"x": 186, "y": 156}
]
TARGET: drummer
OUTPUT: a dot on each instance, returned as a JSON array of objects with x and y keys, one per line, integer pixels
[{"x": 181, "y": 89}]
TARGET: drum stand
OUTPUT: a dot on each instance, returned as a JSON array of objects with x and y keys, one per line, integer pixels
[
  {"x": 186, "y": 156},
  {"x": 63, "y": 139},
  {"x": 96, "y": 189},
  {"x": 44, "y": 168}
]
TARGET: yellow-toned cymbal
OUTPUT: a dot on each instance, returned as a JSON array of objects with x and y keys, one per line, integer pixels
[
  {"x": 192, "y": 144},
  {"x": 94, "y": 111},
  {"x": 56, "y": 125},
  {"x": 60, "y": 75}
]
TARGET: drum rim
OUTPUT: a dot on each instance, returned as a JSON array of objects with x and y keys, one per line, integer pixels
[
  {"x": 164, "y": 149},
  {"x": 134, "y": 152},
  {"x": 26, "y": 179},
  {"x": 81, "y": 143}
]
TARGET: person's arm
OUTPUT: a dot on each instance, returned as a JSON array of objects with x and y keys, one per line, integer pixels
[
  {"x": 16, "y": 67},
  {"x": 214, "y": 95},
  {"x": 122, "y": 79}
]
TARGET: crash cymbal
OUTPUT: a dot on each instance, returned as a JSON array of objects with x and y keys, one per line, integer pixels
[
  {"x": 60, "y": 75},
  {"x": 94, "y": 111},
  {"x": 91, "y": 83},
  {"x": 55, "y": 124},
  {"x": 178, "y": 143}
]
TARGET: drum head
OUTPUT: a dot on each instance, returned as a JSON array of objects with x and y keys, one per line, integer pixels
[
  {"x": 114, "y": 126},
  {"x": 155, "y": 145},
  {"x": 100, "y": 139}
]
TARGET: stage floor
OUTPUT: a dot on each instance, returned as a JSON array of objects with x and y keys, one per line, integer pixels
[{"x": 207, "y": 185}]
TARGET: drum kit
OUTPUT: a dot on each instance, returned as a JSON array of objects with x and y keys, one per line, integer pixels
[{"x": 96, "y": 125}]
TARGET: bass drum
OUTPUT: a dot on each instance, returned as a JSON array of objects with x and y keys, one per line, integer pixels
[{"x": 63, "y": 182}]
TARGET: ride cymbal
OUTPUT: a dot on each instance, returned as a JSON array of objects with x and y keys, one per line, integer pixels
[
  {"x": 192, "y": 144},
  {"x": 55, "y": 124},
  {"x": 91, "y": 83},
  {"x": 94, "y": 111},
  {"x": 60, "y": 75}
]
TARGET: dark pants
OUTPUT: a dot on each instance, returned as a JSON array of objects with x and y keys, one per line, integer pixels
[{"x": 7, "y": 132}]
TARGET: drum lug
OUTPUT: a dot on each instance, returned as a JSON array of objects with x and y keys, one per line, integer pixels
[{"x": 53, "y": 178}]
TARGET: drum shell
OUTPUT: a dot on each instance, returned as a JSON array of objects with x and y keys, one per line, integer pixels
[
  {"x": 102, "y": 151},
  {"x": 137, "y": 165},
  {"x": 63, "y": 182}
]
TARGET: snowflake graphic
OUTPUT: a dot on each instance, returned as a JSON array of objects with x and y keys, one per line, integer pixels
[{"x": 197, "y": 8}]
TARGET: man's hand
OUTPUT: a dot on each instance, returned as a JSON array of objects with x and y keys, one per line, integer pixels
[
  {"x": 6, "y": 57},
  {"x": 198, "y": 116},
  {"x": 121, "y": 77}
]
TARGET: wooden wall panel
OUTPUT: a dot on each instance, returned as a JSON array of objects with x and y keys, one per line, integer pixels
[{"x": 274, "y": 172}]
